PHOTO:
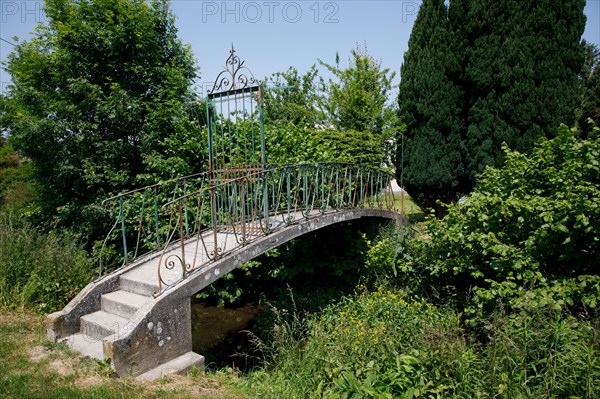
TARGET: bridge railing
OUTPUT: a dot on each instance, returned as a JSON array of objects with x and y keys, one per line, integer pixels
[
  {"x": 216, "y": 219},
  {"x": 241, "y": 206},
  {"x": 140, "y": 223}
]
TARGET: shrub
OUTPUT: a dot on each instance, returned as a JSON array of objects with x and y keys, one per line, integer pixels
[
  {"x": 528, "y": 235},
  {"x": 384, "y": 344},
  {"x": 39, "y": 270},
  {"x": 377, "y": 344}
]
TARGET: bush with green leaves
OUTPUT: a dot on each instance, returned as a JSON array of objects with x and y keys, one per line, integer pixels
[
  {"x": 101, "y": 101},
  {"x": 288, "y": 144},
  {"x": 527, "y": 236},
  {"x": 372, "y": 344},
  {"x": 17, "y": 187}
]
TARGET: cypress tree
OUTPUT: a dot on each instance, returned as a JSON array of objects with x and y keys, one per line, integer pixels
[
  {"x": 430, "y": 104},
  {"x": 589, "y": 91},
  {"x": 482, "y": 73},
  {"x": 521, "y": 75}
]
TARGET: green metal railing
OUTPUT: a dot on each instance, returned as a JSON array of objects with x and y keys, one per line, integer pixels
[
  {"x": 197, "y": 219},
  {"x": 140, "y": 224}
]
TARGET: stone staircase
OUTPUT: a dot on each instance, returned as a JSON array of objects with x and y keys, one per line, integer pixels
[
  {"x": 109, "y": 311},
  {"x": 116, "y": 309}
]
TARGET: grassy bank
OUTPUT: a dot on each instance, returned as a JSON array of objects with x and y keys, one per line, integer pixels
[
  {"x": 30, "y": 367},
  {"x": 40, "y": 270},
  {"x": 378, "y": 344}
]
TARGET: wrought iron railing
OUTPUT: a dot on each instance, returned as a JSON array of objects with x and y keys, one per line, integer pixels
[
  {"x": 140, "y": 223},
  {"x": 195, "y": 220}
]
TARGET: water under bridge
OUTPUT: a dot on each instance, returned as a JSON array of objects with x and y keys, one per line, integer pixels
[{"x": 174, "y": 238}]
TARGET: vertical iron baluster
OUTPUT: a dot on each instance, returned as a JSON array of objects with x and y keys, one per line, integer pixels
[
  {"x": 140, "y": 226},
  {"x": 156, "y": 217},
  {"x": 123, "y": 230}
]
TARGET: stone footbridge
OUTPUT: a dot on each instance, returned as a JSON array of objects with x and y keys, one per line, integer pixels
[{"x": 178, "y": 237}]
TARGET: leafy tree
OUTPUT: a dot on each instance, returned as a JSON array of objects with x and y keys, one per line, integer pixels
[
  {"x": 357, "y": 100},
  {"x": 101, "y": 100},
  {"x": 430, "y": 105},
  {"x": 528, "y": 235},
  {"x": 346, "y": 121},
  {"x": 293, "y": 99}
]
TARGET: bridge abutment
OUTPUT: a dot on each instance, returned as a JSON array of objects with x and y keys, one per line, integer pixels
[{"x": 165, "y": 332}]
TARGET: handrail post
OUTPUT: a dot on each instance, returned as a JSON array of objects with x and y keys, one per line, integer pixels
[
  {"x": 181, "y": 237},
  {"x": 123, "y": 230},
  {"x": 213, "y": 214}
]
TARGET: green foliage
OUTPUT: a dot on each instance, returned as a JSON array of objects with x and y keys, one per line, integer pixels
[
  {"x": 383, "y": 344},
  {"x": 17, "y": 188},
  {"x": 523, "y": 61},
  {"x": 346, "y": 120},
  {"x": 431, "y": 104},
  {"x": 357, "y": 101},
  {"x": 370, "y": 346},
  {"x": 288, "y": 143},
  {"x": 101, "y": 95},
  {"x": 40, "y": 270},
  {"x": 528, "y": 235},
  {"x": 381, "y": 260},
  {"x": 294, "y": 99},
  {"x": 330, "y": 259},
  {"x": 589, "y": 91},
  {"x": 537, "y": 354},
  {"x": 481, "y": 74}
]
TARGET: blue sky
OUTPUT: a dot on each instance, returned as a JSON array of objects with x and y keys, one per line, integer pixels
[{"x": 273, "y": 35}]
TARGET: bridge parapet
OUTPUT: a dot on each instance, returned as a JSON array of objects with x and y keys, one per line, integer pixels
[{"x": 220, "y": 213}]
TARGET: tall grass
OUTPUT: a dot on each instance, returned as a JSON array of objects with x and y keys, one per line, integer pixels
[
  {"x": 384, "y": 345},
  {"x": 40, "y": 270}
]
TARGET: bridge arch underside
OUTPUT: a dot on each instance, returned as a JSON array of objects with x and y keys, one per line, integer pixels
[{"x": 139, "y": 350}]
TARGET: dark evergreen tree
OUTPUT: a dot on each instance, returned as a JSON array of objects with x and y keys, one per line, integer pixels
[
  {"x": 482, "y": 73},
  {"x": 521, "y": 74},
  {"x": 589, "y": 92},
  {"x": 430, "y": 105}
]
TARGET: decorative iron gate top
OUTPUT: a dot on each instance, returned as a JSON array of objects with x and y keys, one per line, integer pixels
[
  {"x": 235, "y": 115},
  {"x": 234, "y": 78}
]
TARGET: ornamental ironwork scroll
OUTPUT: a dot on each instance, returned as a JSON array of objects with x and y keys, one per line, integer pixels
[
  {"x": 235, "y": 118},
  {"x": 235, "y": 77}
]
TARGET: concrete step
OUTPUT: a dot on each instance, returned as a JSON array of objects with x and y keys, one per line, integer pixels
[
  {"x": 180, "y": 365},
  {"x": 123, "y": 303},
  {"x": 144, "y": 286},
  {"x": 101, "y": 324},
  {"x": 86, "y": 345}
]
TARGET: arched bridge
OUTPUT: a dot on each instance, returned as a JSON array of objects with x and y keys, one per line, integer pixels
[
  {"x": 179, "y": 236},
  {"x": 172, "y": 239}
]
